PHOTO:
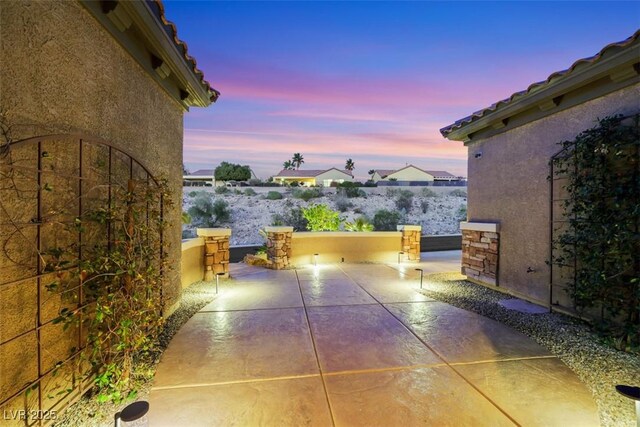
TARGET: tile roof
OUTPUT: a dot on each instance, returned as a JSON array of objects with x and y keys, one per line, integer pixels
[
  {"x": 202, "y": 172},
  {"x": 384, "y": 172},
  {"x": 538, "y": 85},
  {"x": 169, "y": 27},
  {"x": 309, "y": 173},
  {"x": 440, "y": 174}
]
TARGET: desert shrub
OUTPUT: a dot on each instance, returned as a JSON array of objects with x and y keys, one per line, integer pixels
[
  {"x": 370, "y": 183},
  {"x": 274, "y": 195},
  {"x": 393, "y": 192},
  {"x": 221, "y": 190},
  {"x": 307, "y": 194},
  {"x": 249, "y": 192},
  {"x": 292, "y": 218},
  {"x": 342, "y": 202},
  {"x": 351, "y": 191},
  {"x": 427, "y": 192},
  {"x": 205, "y": 212},
  {"x": 188, "y": 234},
  {"x": 193, "y": 193},
  {"x": 321, "y": 218},
  {"x": 357, "y": 210},
  {"x": 424, "y": 205},
  {"x": 360, "y": 224},
  {"x": 254, "y": 182},
  {"x": 462, "y": 213},
  {"x": 458, "y": 193},
  {"x": 404, "y": 201},
  {"x": 237, "y": 192},
  {"x": 385, "y": 220}
]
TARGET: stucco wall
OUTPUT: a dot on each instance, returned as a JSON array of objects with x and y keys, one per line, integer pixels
[
  {"x": 508, "y": 185},
  {"x": 354, "y": 247},
  {"x": 410, "y": 174},
  {"x": 333, "y": 175},
  {"x": 62, "y": 72},
  {"x": 192, "y": 265}
]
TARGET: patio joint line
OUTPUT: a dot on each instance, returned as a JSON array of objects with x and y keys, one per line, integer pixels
[
  {"x": 510, "y": 359},
  {"x": 315, "y": 351},
  {"x": 435, "y": 352},
  {"x": 249, "y": 309},
  {"x": 389, "y": 369},
  {"x": 233, "y": 382}
]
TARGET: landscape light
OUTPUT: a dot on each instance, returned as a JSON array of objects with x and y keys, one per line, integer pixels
[
  {"x": 132, "y": 412},
  {"x": 400, "y": 257},
  {"x": 315, "y": 259},
  {"x": 421, "y": 275},
  {"x": 217, "y": 280}
]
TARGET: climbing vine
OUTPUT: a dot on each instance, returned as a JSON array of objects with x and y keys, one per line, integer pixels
[{"x": 602, "y": 240}]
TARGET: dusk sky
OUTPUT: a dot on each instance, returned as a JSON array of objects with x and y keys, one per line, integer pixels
[{"x": 371, "y": 81}]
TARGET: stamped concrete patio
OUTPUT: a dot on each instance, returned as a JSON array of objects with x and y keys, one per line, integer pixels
[{"x": 356, "y": 345}]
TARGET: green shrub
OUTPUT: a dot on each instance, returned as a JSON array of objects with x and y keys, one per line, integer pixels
[
  {"x": 205, "y": 212},
  {"x": 254, "y": 182},
  {"x": 186, "y": 218},
  {"x": 274, "y": 195},
  {"x": 351, "y": 191},
  {"x": 427, "y": 192},
  {"x": 307, "y": 194},
  {"x": 342, "y": 202},
  {"x": 193, "y": 193},
  {"x": 458, "y": 193},
  {"x": 392, "y": 192},
  {"x": 462, "y": 213},
  {"x": 385, "y": 220},
  {"x": 237, "y": 192},
  {"x": 321, "y": 218},
  {"x": 249, "y": 192},
  {"x": 405, "y": 200},
  {"x": 292, "y": 218},
  {"x": 360, "y": 224},
  {"x": 221, "y": 190},
  {"x": 370, "y": 183}
]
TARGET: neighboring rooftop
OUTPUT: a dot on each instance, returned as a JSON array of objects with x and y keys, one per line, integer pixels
[
  {"x": 309, "y": 173},
  {"x": 615, "y": 66},
  {"x": 436, "y": 174}
]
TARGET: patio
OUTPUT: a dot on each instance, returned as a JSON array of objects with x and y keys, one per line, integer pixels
[{"x": 356, "y": 344}]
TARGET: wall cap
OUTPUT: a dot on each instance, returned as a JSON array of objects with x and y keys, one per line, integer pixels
[
  {"x": 192, "y": 243},
  {"x": 489, "y": 227},
  {"x": 354, "y": 234},
  {"x": 213, "y": 232},
  {"x": 278, "y": 229},
  {"x": 409, "y": 228}
]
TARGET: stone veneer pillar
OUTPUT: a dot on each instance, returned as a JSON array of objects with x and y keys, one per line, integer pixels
[
  {"x": 411, "y": 235},
  {"x": 480, "y": 251},
  {"x": 216, "y": 251},
  {"x": 279, "y": 246}
]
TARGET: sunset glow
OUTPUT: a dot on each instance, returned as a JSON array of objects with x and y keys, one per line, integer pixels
[{"x": 371, "y": 81}]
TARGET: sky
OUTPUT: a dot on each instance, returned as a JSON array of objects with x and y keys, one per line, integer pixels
[{"x": 371, "y": 81}]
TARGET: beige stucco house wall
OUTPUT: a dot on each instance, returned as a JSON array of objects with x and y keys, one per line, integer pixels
[
  {"x": 72, "y": 67},
  {"x": 333, "y": 175},
  {"x": 510, "y": 146}
]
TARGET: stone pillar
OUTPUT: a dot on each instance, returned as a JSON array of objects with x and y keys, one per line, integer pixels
[
  {"x": 480, "y": 251},
  {"x": 216, "y": 251},
  {"x": 411, "y": 235},
  {"x": 279, "y": 246}
]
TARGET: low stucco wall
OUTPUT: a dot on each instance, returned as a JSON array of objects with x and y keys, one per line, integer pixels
[
  {"x": 508, "y": 185},
  {"x": 192, "y": 264},
  {"x": 352, "y": 247}
]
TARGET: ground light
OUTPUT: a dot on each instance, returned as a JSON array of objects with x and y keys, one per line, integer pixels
[
  {"x": 218, "y": 280},
  {"x": 421, "y": 275},
  {"x": 632, "y": 393},
  {"x": 131, "y": 413},
  {"x": 400, "y": 257},
  {"x": 315, "y": 259}
]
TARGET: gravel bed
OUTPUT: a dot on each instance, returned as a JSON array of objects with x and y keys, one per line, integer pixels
[
  {"x": 87, "y": 412},
  {"x": 599, "y": 366}
]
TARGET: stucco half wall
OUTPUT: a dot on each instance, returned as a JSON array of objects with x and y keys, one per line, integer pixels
[
  {"x": 63, "y": 72},
  {"x": 350, "y": 247},
  {"x": 508, "y": 185}
]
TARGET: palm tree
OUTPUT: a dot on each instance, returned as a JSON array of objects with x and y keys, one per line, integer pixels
[
  {"x": 372, "y": 172},
  {"x": 287, "y": 165},
  {"x": 297, "y": 160},
  {"x": 350, "y": 166}
]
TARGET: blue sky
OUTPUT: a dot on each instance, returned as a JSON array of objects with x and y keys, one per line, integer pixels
[{"x": 371, "y": 81}]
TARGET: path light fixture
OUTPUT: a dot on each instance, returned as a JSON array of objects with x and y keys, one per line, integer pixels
[
  {"x": 632, "y": 393},
  {"x": 400, "y": 254},
  {"x": 315, "y": 259},
  {"x": 421, "y": 275},
  {"x": 133, "y": 412},
  {"x": 218, "y": 280}
]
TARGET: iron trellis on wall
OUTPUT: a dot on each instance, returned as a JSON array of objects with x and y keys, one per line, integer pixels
[{"x": 48, "y": 185}]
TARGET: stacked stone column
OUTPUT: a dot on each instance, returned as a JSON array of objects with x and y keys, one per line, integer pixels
[
  {"x": 411, "y": 235},
  {"x": 480, "y": 251},
  {"x": 216, "y": 251},
  {"x": 279, "y": 247}
]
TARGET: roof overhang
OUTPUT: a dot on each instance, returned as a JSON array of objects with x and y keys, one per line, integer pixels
[
  {"x": 613, "y": 68},
  {"x": 142, "y": 29}
]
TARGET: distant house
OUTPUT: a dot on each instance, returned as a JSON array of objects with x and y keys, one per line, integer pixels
[
  {"x": 313, "y": 177},
  {"x": 514, "y": 209},
  {"x": 199, "y": 178},
  {"x": 412, "y": 174}
]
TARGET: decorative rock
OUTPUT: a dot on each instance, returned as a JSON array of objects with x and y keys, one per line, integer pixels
[
  {"x": 480, "y": 249},
  {"x": 216, "y": 257}
]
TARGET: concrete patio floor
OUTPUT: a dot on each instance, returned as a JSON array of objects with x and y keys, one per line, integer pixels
[{"x": 356, "y": 345}]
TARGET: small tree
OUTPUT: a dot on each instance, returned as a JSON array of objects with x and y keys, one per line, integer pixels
[
  {"x": 321, "y": 218},
  {"x": 288, "y": 165},
  {"x": 232, "y": 172},
  {"x": 385, "y": 220}
]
